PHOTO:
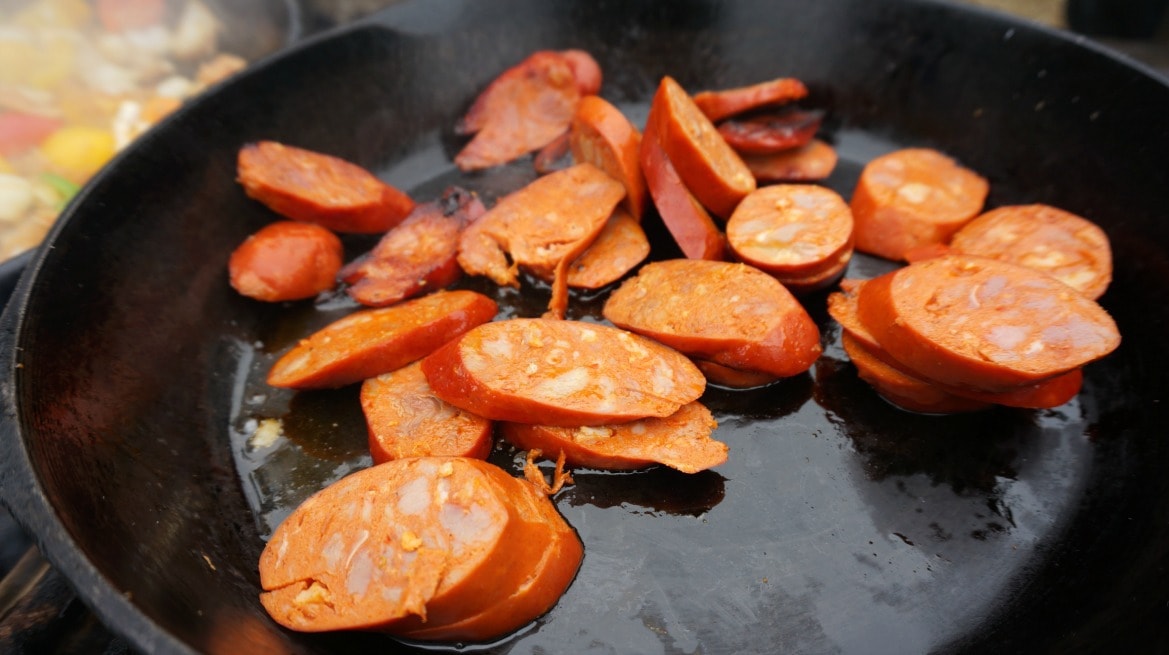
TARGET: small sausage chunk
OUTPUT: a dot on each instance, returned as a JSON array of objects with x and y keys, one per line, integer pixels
[
  {"x": 913, "y": 197},
  {"x": 370, "y": 342},
  {"x": 680, "y": 441},
  {"x": 564, "y": 373},
  {"x": 1070, "y": 248},
  {"x": 730, "y": 314},
  {"x": 601, "y": 135},
  {"x": 717, "y": 105},
  {"x": 406, "y": 419},
  {"x": 619, "y": 247},
  {"x": 317, "y": 188},
  {"x": 286, "y": 260}
]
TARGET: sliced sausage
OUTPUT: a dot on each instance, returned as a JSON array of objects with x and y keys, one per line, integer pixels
[
  {"x": 730, "y": 314},
  {"x": 982, "y": 324},
  {"x": 406, "y": 419},
  {"x": 1068, "y": 247},
  {"x": 399, "y": 544},
  {"x": 286, "y": 260},
  {"x": 913, "y": 197},
  {"x": 524, "y": 109},
  {"x": 733, "y": 378},
  {"x": 680, "y": 441},
  {"x": 370, "y": 342},
  {"x": 710, "y": 169},
  {"x": 553, "y": 157},
  {"x": 601, "y": 135},
  {"x": 620, "y": 247},
  {"x": 684, "y": 217},
  {"x": 563, "y": 373},
  {"x": 417, "y": 256},
  {"x": 810, "y": 163},
  {"x": 585, "y": 70},
  {"x": 902, "y": 389},
  {"x": 717, "y": 105},
  {"x": 796, "y": 232},
  {"x": 770, "y": 133},
  {"x": 316, "y": 188}
]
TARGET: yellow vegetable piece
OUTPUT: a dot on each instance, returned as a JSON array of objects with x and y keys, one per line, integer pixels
[
  {"x": 5, "y": 167},
  {"x": 77, "y": 151}
]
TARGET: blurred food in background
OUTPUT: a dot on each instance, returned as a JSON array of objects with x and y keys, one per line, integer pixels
[{"x": 80, "y": 80}]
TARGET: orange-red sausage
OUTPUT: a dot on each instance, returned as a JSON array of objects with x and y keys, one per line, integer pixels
[
  {"x": 733, "y": 378},
  {"x": 771, "y": 133},
  {"x": 796, "y": 232},
  {"x": 730, "y": 314},
  {"x": 913, "y": 197},
  {"x": 977, "y": 323},
  {"x": 718, "y": 105},
  {"x": 400, "y": 545},
  {"x": 680, "y": 441},
  {"x": 406, "y": 419},
  {"x": 619, "y": 247},
  {"x": 416, "y": 257},
  {"x": 525, "y": 108},
  {"x": 601, "y": 135},
  {"x": 565, "y": 373},
  {"x": 687, "y": 221},
  {"x": 370, "y": 342},
  {"x": 1068, "y": 247},
  {"x": 316, "y": 188},
  {"x": 810, "y": 163},
  {"x": 902, "y": 389},
  {"x": 710, "y": 169},
  {"x": 585, "y": 70},
  {"x": 286, "y": 260}
]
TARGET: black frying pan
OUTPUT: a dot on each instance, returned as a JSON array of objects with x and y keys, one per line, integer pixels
[{"x": 839, "y": 524}]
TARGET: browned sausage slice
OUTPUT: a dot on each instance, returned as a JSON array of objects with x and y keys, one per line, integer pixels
[
  {"x": 902, "y": 389},
  {"x": 406, "y": 419},
  {"x": 286, "y": 260},
  {"x": 619, "y": 247},
  {"x": 810, "y": 163},
  {"x": 368, "y": 343},
  {"x": 564, "y": 373},
  {"x": 730, "y": 314},
  {"x": 733, "y": 378},
  {"x": 718, "y": 105},
  {"x": 680, "y": 441},
  {"x": 771, "y": 133},
  {"x": 603, "y": 136},
  {"x": 316, "y": 188}
]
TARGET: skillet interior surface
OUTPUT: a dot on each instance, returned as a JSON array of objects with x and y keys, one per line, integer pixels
[{"x": 838, "y": 525}]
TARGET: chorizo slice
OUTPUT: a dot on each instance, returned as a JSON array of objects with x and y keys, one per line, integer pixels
[
  {"x": 524, "y": 109},
  {"x": 902, "y": 389},
  {"x": 286, "y": 260},
  {"x": 564, "y": 373},
  {"x": 1068, "y": 247},
  {"x": 601, "y": 135},
  {"x": 370, "y": 342},
  {"x": 417, "y": 256},
  {"x": 585, "y": 70},
  {"x": 717, "y": 105},
  {"x": 685, "y": 218},
  {"x": 913, "y": 197},
  {"x": 981, "y": 324},
  {"x": 681, "y": 441},
  {"x": 793, "y": 231},
  {"x": 316, "y": 188},
  {"x": 406, "y": 419},
  {"x": 767, "y": 134},
  {"x": 398, "y": 544},
  {"x": 730, "y": 314},
  {"x": 620, "y": 247},
  {"x": 733, "y": 378},
  {"x": 710, "y": 169},
  {"x": 811, "y": 163}
]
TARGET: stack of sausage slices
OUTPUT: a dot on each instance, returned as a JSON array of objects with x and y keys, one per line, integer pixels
[{"x": 433, "y": 542}]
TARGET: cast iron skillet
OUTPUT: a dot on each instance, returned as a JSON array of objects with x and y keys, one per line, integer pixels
[{"x": 839, "y": 524}]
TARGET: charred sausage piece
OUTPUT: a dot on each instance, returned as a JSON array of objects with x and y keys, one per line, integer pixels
[
  {"x": 1068, "y": 247},
  {"x": 601, "y": 135},
  {"x": 406, "y": 419},
  {"x": 684, "y": 217},
  {"x": 370, "y": 342},
  {"x": 796, "y": 232},
  {"x": 524, "y": 109},
  {"x": 286, "y": 260},
  {"x": 811, "y": 163},
  {"x": 913, "y": 197},
  {"x": 416, "y": 257},
  {"x": 710, "y": 169},
  {"x": 717, "y": 105},
  {"x": 428, "y": 539},
  {"x": 729, "y": 314},
  {"x": 902, "y": 389},
  {"x": 316, "y": 188},
  {"x": 981, "y": 324},
  {"x": 680, "y": 441},
  {"x": 564, "y": 373},
  {"x": 770, "y": 133}
]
